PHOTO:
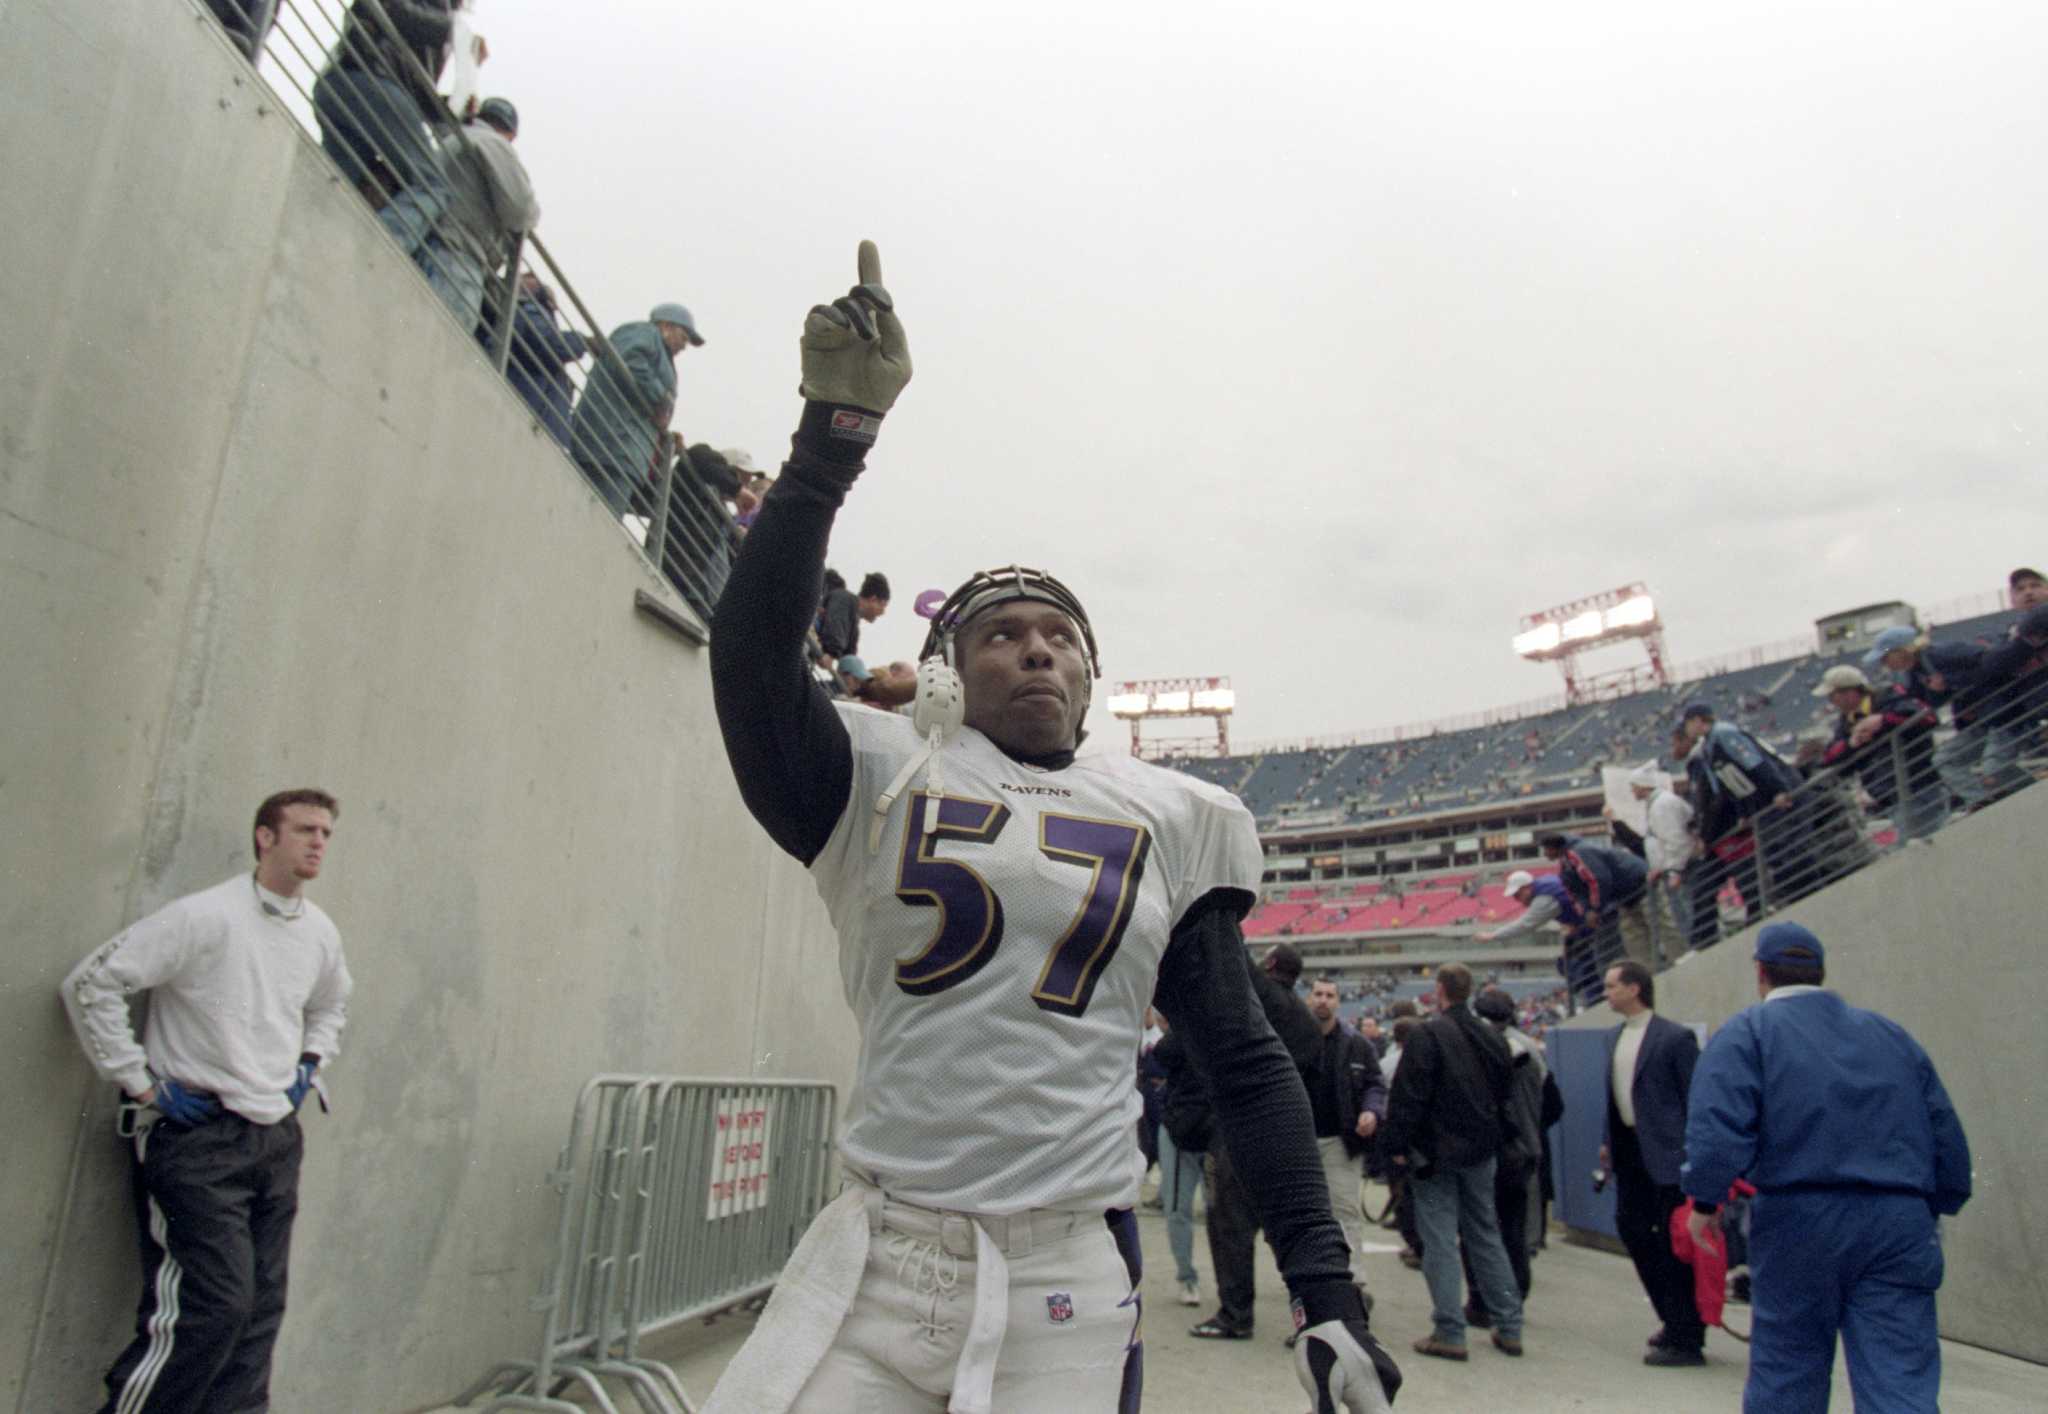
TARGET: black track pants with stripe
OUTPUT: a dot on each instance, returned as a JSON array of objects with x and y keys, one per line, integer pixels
[{"x": 216, "y": 1205}]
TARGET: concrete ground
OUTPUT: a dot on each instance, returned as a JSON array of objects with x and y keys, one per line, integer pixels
[{"x": 1587, "y": 1320}]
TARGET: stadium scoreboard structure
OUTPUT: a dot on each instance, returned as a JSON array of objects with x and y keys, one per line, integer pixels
[
  {"x": 1175, "y": 699},
  {"x": 1561, "y": 634}
]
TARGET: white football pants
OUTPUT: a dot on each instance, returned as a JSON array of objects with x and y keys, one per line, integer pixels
[{"x": 1070, "y": 1344}]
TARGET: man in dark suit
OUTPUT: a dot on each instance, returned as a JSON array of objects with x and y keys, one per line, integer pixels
[{"x": 1649, "y": 1074}]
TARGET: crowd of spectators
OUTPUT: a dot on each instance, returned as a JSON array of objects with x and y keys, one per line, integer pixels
[{"x": 438, "y": 163}]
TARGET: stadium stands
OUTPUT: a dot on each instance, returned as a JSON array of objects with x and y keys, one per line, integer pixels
[{"x": 1556, "y": 750}]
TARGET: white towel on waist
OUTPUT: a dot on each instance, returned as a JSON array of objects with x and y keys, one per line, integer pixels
[{"x": 810, "y": 1302}]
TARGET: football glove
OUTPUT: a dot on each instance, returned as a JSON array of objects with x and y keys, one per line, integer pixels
[
  {"x": 1338, "y": 1362},
  {"x": 854, "y": 353},
  {"x": 182, "y": 1106}
]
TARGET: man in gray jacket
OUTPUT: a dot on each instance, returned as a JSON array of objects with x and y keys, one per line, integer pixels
[{"x": 459, "y": 228}]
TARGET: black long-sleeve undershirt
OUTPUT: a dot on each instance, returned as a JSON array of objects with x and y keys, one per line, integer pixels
[{"x": 794, "y": 763}]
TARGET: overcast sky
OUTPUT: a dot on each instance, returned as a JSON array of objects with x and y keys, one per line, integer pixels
[{"x": 1313, "y": 344}]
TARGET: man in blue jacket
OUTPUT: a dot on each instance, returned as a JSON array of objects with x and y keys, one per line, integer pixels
[
  {"x": 1838, "y": 1118},
  {"x": 542, "y": 350}
]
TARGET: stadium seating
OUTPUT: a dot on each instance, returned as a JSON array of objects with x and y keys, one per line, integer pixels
[{"x": 1552, "y": 751}]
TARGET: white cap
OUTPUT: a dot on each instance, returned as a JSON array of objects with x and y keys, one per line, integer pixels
[
  {"x": 1517, "y": 881},
  {"x": 1647, "y": 775},
  {"x": 739, "y": 457},
  {"x": 1840, "y": 676}
]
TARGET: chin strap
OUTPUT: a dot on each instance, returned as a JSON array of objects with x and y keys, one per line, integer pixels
[{"x": 941, "y": 709}]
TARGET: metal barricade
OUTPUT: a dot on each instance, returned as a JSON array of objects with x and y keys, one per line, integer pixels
[{"x": 680, "y": 1197}]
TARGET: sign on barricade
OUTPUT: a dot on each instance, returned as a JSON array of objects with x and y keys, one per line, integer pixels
[{"x": 740, "y": 1145}]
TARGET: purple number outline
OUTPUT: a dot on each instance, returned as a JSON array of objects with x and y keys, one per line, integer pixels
[
  {"x": 962, "y": 896},
  {"x": 1114, "y": 851}
]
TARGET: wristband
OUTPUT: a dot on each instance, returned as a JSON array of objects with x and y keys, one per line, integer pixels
[{"x": 840, "y": 435}]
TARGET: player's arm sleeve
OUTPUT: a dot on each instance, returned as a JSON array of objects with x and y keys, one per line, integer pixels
[
  {"x": 147, "y": 954},
  {"x": 1951, "y": 1149},
  {"x": 327, "y": 1010},
  {"x": 1206, "y": 992},
  {"x": 789, "y": 750},
  {"x": 1722, "y": 1114}
]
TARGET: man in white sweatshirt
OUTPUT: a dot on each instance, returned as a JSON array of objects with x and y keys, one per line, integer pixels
[
  {"x": 1668, "y": 845},
  {"x": 248, "y": 993}
]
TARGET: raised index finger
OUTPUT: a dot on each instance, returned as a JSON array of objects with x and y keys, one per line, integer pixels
[{"x": 870, "y": 264}]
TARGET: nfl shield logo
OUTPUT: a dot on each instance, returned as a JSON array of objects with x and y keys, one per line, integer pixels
[{"x": 1059, "y": 1307}]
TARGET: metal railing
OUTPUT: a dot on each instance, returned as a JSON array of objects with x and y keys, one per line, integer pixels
[
  {"x": 357, "y": 82},
  {"x": 679, "y": 1198},
  {"x": 1903, "y": 785}
]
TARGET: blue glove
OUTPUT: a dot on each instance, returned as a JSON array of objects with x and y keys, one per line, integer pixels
[
  {"x": 181, "y": 1106},
  {"x": 296, "y": 1091}
]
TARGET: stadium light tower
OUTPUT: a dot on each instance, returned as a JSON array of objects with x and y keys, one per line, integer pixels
[
  {"x": 1561, "y": 634},
  {"x": 1174, "y": 699}
]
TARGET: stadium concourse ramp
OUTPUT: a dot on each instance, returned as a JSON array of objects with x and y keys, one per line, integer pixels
[
  {"x": 270, "y": 519},
  {"x": 1944, "y": 936}
]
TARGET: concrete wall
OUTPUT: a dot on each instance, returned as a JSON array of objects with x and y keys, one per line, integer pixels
[
  {"x": 1944, "y": 938},
  {"x": 268, "y": 519}
]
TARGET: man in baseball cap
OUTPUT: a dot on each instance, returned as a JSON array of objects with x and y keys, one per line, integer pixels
[{"x": 1839, "y": 1119}]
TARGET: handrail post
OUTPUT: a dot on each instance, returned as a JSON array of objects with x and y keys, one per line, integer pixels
[
  {"x": 657, "y": 533},
  {"x": 508, "y": 306}
]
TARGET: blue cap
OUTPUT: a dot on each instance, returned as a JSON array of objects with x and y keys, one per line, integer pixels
[
  {"x": 673, "y": 313},
  {"x": 1791, "y": 945},
  {"x": 500, "y": 113},
  {"x": 1896, "y": 637},
  {"x": 1696, "y": 709},
  {"x": 854, "y": 668}
]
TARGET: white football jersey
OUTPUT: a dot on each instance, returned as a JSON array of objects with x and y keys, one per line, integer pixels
[{"x": 1001, "y": 968}]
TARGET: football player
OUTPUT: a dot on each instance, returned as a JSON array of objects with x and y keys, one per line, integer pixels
[{"x": 1006, "y": 911}]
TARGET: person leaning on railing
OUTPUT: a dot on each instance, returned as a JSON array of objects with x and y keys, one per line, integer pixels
[
  {"x": 371, "y": 104},
  {"x": 627, "y": 401},
  {"x": 1977, "y": 762},
  {"x": 1888, "y": 741},
  {"x": 2016, "y": 696},
  {"x": 542, "y": 350},
  {"x": 458, "y": 227},
  {"x": 1735, "y": 779}
]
